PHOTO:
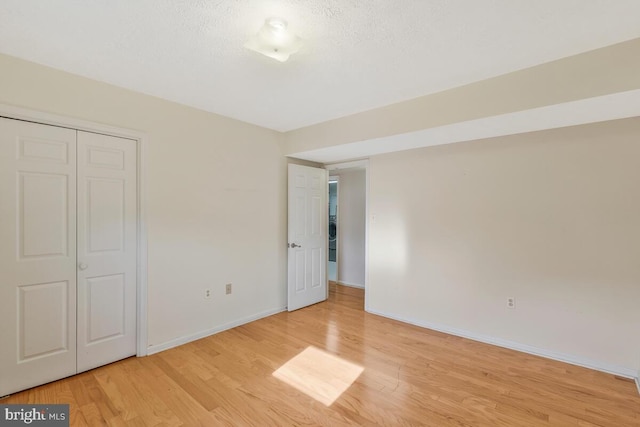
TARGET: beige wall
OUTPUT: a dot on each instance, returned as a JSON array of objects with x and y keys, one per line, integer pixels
[
  {"x": 351, "y": 227},
  {"x": 551, "y": 218},
  {"x": 216, "y": 198}
]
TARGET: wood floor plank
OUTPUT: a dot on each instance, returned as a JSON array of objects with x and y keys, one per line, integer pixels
[
  {"x": 92, "y": 415},
  {"x": 410, "y": 376}
]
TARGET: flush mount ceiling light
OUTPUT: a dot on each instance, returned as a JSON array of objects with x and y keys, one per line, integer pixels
[{"x": 274, "y": 40}]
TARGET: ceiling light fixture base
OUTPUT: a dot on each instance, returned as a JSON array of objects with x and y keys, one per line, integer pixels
[{"x": 275, "y": 40}]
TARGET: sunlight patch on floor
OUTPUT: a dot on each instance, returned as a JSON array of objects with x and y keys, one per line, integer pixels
[{"x": 318, "y": 374}]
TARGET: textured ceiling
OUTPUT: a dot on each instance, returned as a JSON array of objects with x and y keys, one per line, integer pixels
[{"x": 358, "y": 54}]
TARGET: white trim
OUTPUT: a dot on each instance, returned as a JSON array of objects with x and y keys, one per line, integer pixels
[
  {"x": 637, "y": 380},
  {"x": 141, "y": 139},
  {"x": 366, "y": 234},
  {"x": 203, "y": 334},
  {"x": 562, "y": 357},
  {"x": 351, "y": 285},
  {"x": 141, "y": 295},
  {"x": 68, "y": 122}
]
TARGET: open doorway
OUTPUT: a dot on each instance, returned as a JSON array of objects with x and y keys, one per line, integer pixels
[
  {"x": 346, "y": 261},
  {"x": 332, "y": 268}
]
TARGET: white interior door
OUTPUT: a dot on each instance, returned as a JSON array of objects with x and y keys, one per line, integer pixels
[
  {"x": 107, "y": 221},
  {"x": 307, "y": 257},
  {"x": 37, "y": 254}
]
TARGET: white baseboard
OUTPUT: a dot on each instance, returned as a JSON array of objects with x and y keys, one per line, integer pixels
[
  {"x": 351, "y": 285},
  {"x": 638, "y": 382},
  {"x": 152, "y": 349},
  {"x": 567, "y": 358}
]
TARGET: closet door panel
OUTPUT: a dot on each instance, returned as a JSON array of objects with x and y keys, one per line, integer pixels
[
  {"x": 37, "y": 254},
  {"x": 107, "y": 251}
]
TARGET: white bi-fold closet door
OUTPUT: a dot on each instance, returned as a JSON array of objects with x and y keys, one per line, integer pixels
[{"x": 68, "y": 250}]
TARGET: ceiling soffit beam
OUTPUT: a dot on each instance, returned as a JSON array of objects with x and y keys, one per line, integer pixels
[
  {"x": 603, "y": 108},
  {"x": 593, "y": 74}
]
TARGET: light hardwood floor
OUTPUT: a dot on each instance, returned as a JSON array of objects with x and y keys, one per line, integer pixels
[{"x": 405, "y": 376}]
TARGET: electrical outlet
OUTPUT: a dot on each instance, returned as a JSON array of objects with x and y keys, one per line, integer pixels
[
  {"x": 228, "y": 288},
  {"x": 511, "y": 302},
  {"x": 207, "y": 293}
]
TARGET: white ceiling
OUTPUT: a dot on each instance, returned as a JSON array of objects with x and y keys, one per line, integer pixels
[{"x": 358, "y": 54}]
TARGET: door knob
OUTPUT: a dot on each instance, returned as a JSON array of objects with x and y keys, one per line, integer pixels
[
  {"x": 293, "y": 245},
  {"x": 82, "y": 266}
]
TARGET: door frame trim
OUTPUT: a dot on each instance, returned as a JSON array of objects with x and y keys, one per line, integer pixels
[{"x": 142, "y": 140}]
